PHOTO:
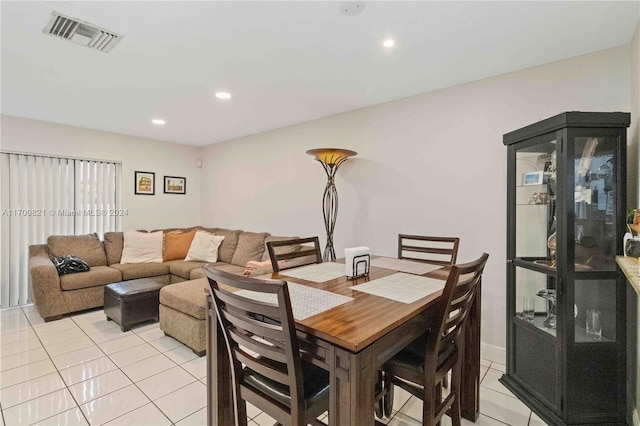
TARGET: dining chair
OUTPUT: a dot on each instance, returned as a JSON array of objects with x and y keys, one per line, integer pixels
[
  {"x": 283, "y": 252},
  {"x": 436, "y": 250},
  {"x": 266, "y": 365},
  {"x": 441, "y": 251},
  {"x": 420, "y": 368}
]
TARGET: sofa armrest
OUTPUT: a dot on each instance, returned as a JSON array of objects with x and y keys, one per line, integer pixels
[{"x": 45, "y": 283}]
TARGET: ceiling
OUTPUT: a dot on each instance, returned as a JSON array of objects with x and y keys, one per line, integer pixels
[{"x": 283, "y": 62}]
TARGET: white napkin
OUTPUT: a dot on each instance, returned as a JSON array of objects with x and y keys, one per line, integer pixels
[{"x": 362, "y": 263}]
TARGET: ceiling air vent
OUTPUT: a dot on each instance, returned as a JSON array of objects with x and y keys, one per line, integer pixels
[{"x": 82, "y": 33}]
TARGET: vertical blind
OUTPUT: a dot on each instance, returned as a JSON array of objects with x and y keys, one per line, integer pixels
[{"x": 44, "y": 196}]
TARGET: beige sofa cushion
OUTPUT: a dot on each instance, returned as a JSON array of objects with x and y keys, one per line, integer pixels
[
  {"x": 227, "y": 267},
  {"x": 133, "y": 271},
  {"x": 97, "y": 276},
  {"x": 228, "y": 246},
  {"x": 113, "y": 243},
  {"x": 197, "y": 273},
  {"x": 183, "y": 268},
  {"x": 280, "y": 250},
  {"x": 87, "y": 247},
  {"x": 250, "y": 247},
  {"x": 188, "y": 297}
]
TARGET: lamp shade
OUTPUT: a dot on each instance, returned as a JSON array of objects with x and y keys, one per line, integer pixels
[{"x": 331, "y": 156}]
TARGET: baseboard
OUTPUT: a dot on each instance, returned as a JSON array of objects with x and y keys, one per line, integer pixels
[{"x": 493, "y": 353}]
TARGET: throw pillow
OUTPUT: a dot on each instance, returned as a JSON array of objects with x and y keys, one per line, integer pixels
[
  {"x": 142, "y": 247},
  {"x": 204, "y": 247},
  {"x": 176, "y": 245},
  {"x": 70, "y": 265}
]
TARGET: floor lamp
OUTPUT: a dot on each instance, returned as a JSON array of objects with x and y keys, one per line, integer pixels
[{"x": 330, "y": 158}]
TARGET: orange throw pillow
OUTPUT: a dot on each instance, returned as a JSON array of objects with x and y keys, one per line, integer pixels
[{"x": 176, "y": 246}]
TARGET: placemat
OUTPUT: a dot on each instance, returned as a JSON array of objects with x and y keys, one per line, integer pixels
[
  {"x": 403, "y": 265},
  {"x": 305, "y": 301},
  {"x": 401, "y": 287},
  {"x": 318, "y": 272}
]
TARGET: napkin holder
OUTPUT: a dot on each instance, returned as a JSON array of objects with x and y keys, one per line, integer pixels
[{"x": 357, "y": 261}]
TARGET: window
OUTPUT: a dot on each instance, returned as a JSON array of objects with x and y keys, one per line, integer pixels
[{"x": 44, "y": 196}]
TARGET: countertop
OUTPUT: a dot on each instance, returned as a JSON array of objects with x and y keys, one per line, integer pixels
[{"x": 630, "y": 266}]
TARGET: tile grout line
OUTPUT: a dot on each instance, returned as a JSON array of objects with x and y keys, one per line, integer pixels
[
  {"x": 57, "y": 372},
  {"x": 135, "y": 383},
  {"x": 77, "y": 325},
  {"x": 67, "y": 386},
  {"x": 125, "y": 374}
]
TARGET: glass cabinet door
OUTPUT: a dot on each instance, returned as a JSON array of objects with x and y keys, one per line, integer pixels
[
  {"x": 535, "y": 200},
  {"x": 535, "y": 313},
  {"x": 595, "y": 184},
  {"x": 594, "y": 203},
  {"x": 535, "y": 231}
]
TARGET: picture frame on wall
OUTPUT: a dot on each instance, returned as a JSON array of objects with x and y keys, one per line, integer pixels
[
  {"x": 145, "y": 183},
  {"x": 175, "y": 185}
]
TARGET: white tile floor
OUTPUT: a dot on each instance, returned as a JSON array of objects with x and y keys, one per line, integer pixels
[{"x": 83, "y": 370}]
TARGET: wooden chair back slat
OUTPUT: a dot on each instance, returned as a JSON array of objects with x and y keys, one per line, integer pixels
[
  {"x": 281, "y": 261},
  {"x": 244, "y": 304},
  {"x": 456, "y": 301},
  {"x": 441, "y": 251},
  {"x": 277, "y": 373}
]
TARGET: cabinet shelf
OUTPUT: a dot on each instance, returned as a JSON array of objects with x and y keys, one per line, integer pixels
[
  {"x": 543, "y": 265},
  {"x": 536, "y": 324}
]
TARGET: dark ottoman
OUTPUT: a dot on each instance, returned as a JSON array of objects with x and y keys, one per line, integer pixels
[{"x": 131, "y": 302}]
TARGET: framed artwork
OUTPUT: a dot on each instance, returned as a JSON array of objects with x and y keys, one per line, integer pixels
[
  {"x": 532, "y": 178},
  {"x": 175, "y": 185},
  {"x": 145, "y": 183}
]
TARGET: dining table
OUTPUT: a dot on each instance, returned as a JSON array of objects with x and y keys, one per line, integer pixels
[{"x": 346, "y": 326}]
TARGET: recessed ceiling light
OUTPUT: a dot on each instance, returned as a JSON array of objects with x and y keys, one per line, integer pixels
[
  {"x": 223, "y": 95},
  {"x": 158, "y": 121},
  {"x": 389, "y": 42}
]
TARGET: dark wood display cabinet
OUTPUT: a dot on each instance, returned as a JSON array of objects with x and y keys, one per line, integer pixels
[{"x": 565, "y": 295}]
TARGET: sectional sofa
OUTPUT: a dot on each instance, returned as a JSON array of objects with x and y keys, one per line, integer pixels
[{"x": 182, "y": 300}]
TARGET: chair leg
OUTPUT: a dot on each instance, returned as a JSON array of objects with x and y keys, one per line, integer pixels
[
  {"x": 241, "y": 413},
  {"x": 438, "y": 399},
  {"x": 456, "y": 378},
  {"x": 388, "y": 399},
  {"x": 379, "y": 392},
  {"x": 429, "y": 405}
]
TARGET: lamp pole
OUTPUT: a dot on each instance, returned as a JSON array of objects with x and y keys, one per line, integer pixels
[{"x": 330, "y": 158}]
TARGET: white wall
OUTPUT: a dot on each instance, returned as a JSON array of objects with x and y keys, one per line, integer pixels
[
  {"x": 145, "y": 211},
  {"x": 430, "y": 164}
]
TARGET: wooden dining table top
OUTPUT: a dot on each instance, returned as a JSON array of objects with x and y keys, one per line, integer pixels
[{"x": 359, "y": 323}]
